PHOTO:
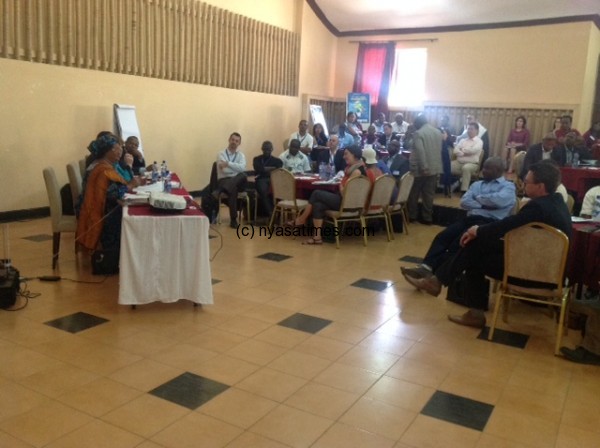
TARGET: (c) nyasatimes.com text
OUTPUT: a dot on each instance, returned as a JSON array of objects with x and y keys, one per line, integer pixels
[{"x": 251, "y": 231}]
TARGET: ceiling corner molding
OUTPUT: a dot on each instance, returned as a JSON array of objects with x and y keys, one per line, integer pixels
[{"x": 323, "y": 18}]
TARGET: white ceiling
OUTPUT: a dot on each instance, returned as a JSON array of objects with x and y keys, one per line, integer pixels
[{"x": 349, "y": 16}]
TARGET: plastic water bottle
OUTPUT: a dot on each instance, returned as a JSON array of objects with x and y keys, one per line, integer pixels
[
  {"x": 575, "y": 160},
  {"x": 163, "y": 169},
  {"x": 154, "y": 172},
  {"x": 322, "y": 171},
  {"x": 332, "y": 172},
  {"x": 167, "y": 185}
]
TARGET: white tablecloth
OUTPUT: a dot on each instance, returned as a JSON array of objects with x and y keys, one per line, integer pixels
[{"x": 164, "y": 258}]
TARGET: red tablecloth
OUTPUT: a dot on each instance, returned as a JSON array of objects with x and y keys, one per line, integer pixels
[
  {"x": 583, "y": 266},
  {"x": 580, "y": 180}
]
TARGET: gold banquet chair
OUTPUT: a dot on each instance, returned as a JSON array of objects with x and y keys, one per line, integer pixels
[
  {"x": 352, "y": 207},
  {"x": 401, "y": 204},
  {"x": 381, "y": 196},
  {"x": 60, "y": 223},
  {"x": 285, "y": 202},
  {"x": 242, "y": 196},
  {"x": 547, "y": 266}
]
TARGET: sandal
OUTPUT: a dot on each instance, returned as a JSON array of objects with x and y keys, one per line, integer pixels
[{"x": 312, "y": 242}]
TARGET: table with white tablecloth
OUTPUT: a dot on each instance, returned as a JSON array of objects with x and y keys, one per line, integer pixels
[{"x": 164, "y": 255}]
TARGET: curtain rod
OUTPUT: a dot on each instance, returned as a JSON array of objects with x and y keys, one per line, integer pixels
[{"x": 433, "y": 39}]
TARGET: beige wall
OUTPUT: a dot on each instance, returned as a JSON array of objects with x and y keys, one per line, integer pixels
[
  {"x": 544, "y": 65},
  {"x": 49, "y": 114},
  {"x": 589, "y": 83}
]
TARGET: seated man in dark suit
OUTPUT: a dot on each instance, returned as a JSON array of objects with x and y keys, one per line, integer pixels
[
  {"x": 541, "y": 151},
  {"x": 388, "y": 136},
  {"x": 263, "y": 165},
  {"x": 396, "y": 162},
  {"x": 334, "y": 155},
  {"x": 482, "y": 250},
  {"x": 572, "y": 149}
]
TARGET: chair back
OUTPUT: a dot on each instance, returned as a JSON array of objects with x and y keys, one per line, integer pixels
[
  {"x": 355, "y": 196},
  {"x": 549, "y": 247},
  {"x": 406, "y": 184},
  {"x": 82, "y": 168},
  {"x": 518, "y": 161},
  {"x": 54, "y": 201},
  {"x": 284, "y": 185},
  {"x": 383, "y": 188},
  {"x": 75, "y": 180},
  {"x": 570, "y": 203}
]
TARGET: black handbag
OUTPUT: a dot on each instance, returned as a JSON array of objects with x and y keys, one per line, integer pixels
[{"x": 105, "y": 262}]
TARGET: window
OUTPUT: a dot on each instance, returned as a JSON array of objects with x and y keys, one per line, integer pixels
[{"x": 407, "y": 86}]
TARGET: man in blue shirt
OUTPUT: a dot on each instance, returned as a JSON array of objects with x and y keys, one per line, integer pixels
[{"x": 486, "y": 200}]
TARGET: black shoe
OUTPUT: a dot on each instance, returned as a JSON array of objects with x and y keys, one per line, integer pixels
[
  {"x": 426, "y": 223},
  {"x": 418, "y": 272},
  {"x": 581, "y": 356},
  {"x": 233, "y": 224}
]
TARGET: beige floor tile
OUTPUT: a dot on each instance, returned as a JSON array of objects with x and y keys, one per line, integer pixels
[
  {"x": 299, "y": 364},
  {"x": 104, "y": 360},
  {"x": 145, "y": 343},
  {"x": 268, "y": 313},
  {"x": 183, "y": 356},
  {"x": 145, "y": 415},
  {"x": 271, "y": 384},
  {"x": 249, "y": 439},
  {"x": 57, "y": 381},
  {"x": 387, "y": 343},
  {"x": 400, "y": 393},
  {"x": 45, "y": 423},
  {"x": 582, "y": 414},
  {"x": 322, "y": 400},
  {"x": 257, "y": 352},
  {"x": 344, "y": 436},
  {"x": 145, "y": 375},
  {"x": 369, "y": 359},
  {"x": 99, "y": 435},
  {"x": 378, "y": 417},
  {"x": 9, "y": 441},
  {"x": 238, "y": 407},
  {"x": 17, "y": 399},
  {"x": 99, "y": 396},
  {"x": 409, "y": 326},
  {"x": 547, "y": 406},
  {"x": 569, "y": 437},
  {"x": 488, "y": 441},
  {"x": 282, "y": 336},
  {"x": 427, "y": 432},
  {"x": 225, "y": 369},
  {"x": 195, "y": 430},
  {"x": 522, "y": 428},
  {"x": 18, "y": 362},
  {"x": 418, "y": 372},
  {"x": 323, "y": 347},
  {"x": 472, "y": 386},
  {"x": 292, "y": 427},
  {"x": 344, "y": 332},
  {"x": 216, "y": 340},
  {"x": 438, "y": 357},
  {"x": 244, "y": 326},
  {"x": 149, "y": 444},
  {"x": 349, "y": 378}
]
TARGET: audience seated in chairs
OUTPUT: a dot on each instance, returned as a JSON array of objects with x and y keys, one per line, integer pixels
[
  {"x": 482, "y": 252},
  {"x": 541, "y": 151},
  {"x": 333, "y": 154},
  {"x": 486, "y": 201},
  {"x": 518, "y": 140},
  {"x": 590, "y": 208},
  {"x": 320, "y": 200},
  {"x": 468, "y": 153},
  {"x": 263, "y": 166},
  {"x": 387, "y": 136},
  {"x": 306, "y": 140},
  {"x": 397, "y": 164}
]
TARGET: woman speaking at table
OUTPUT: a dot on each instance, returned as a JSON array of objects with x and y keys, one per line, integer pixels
[
  {"x": 321, "y": 200},
  {"x": 99, "y": 222}
]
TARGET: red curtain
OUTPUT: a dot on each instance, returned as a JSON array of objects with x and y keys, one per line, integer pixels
[{"x": 373, "y": 73}]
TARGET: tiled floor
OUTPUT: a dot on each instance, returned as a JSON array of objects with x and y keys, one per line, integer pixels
[{"x": 305, "y": 346}]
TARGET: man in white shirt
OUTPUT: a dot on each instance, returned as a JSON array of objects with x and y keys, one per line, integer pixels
[
  {"x": 231, "y": 179},
  {"x": 294, "y": 160},
  {"x": 467, "y": 152},
  {"x": 590, "y": 208},
  {"x": 471, "y": 119},
  {"x": 399, "y": 126},
  {"x": 305, "y": 139}
]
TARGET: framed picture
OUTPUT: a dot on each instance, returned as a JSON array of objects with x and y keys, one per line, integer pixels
[{"x": 360, "y": 104}]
